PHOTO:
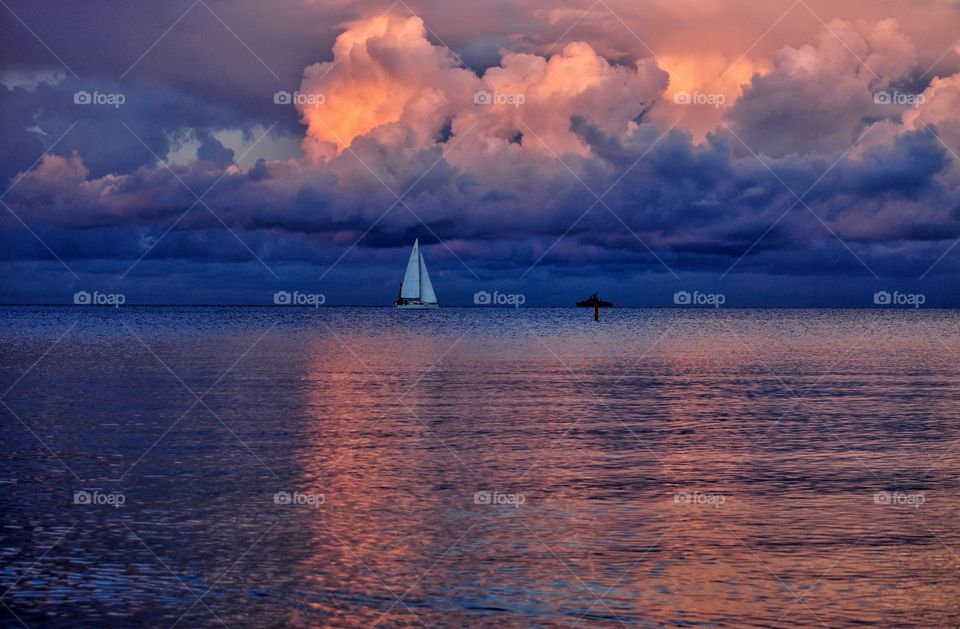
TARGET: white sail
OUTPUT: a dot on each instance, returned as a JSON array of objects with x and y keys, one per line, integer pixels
[
  {"x": 416, "y": 292},
  {"x": 427, "y": 295},
  {"x": 411, "y": 279}
]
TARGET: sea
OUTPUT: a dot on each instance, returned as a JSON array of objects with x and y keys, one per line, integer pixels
[{"x": 488, "y": 467}]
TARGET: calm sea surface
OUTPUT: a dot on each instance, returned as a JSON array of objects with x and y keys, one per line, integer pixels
[{"x": 479, "y": 467}]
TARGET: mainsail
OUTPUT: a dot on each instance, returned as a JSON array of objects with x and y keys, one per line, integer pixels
[{"x": 411, "y": 279}]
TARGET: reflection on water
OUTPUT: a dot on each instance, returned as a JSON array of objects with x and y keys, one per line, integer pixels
[{"x": 341, "y": 467}]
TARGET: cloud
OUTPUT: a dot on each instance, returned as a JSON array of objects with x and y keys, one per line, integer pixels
[
  {"x": 575, "y": 82},
  {"x": 384, "y": 72},
  {"x": 821, "y": 98},
  {"x": 505, "y": 163},
  {"x": 940, "y": 110},
  {"x": 212, "y": 150},
  {"x": 389, "y": 82}
]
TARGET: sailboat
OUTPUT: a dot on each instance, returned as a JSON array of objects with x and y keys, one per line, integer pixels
[{"x": 416, "y": 290}]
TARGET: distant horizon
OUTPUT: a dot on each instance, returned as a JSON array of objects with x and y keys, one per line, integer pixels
[{"x": 479, "y": 307}]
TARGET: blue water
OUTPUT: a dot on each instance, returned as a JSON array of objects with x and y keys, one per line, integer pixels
[{"x": 198, "y": 467}]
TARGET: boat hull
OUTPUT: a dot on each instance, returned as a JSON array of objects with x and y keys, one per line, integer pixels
[{"x": 417, "y": 306}]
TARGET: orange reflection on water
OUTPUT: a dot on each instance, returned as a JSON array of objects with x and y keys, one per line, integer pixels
[{"x": 600, "y": 440}]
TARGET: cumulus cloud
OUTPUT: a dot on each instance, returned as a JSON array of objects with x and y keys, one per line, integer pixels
[
  {"x": 575, "y": 82},
  {"x": 384, "y": 72},
  {"x": 820, "y": 98},
  {"x": 389, "y": 82},
  {"x": 939, "y": 110}
]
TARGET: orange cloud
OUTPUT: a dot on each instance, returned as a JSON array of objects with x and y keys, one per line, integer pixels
[
  {"x": 710, "y": 74},
  {"x": 382, "y": 70},
  {"x": 389, "y": 82}
]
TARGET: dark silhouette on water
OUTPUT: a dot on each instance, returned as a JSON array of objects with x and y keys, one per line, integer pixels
[{"x": 594, "y": 300}]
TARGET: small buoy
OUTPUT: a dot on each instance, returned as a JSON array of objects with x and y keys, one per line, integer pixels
[{"x": 596, "y": 309}]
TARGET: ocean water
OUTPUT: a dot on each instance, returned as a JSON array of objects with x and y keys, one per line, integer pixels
[{"x": 280, "y": 467}]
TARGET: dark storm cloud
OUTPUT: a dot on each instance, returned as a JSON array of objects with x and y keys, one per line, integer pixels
[{"x": 698, "y": 204}]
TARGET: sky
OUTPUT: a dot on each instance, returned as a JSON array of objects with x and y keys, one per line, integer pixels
[{"x": 790, "y": 153}]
